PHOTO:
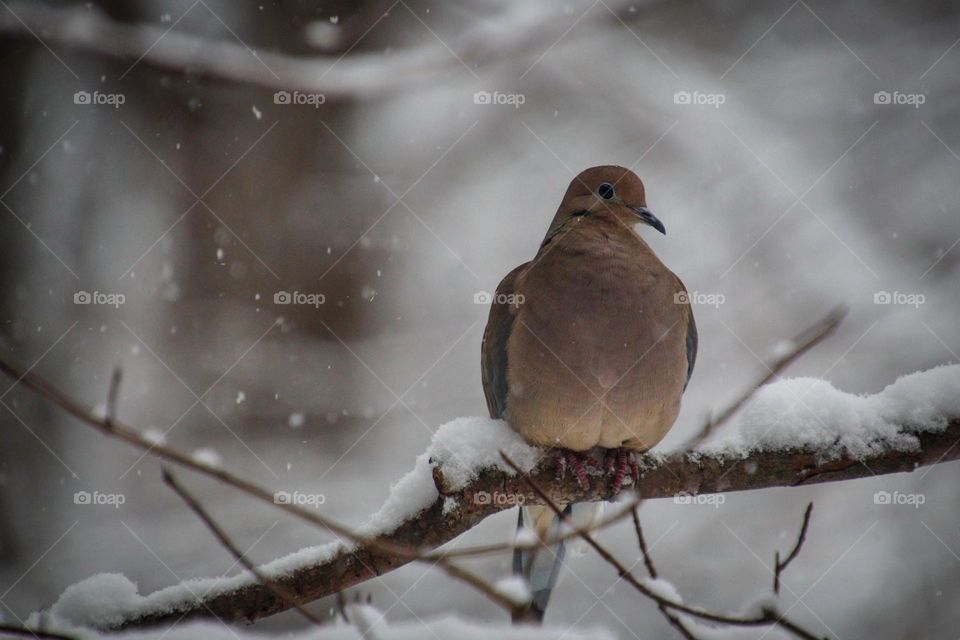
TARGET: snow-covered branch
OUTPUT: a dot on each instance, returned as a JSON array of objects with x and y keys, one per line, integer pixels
[
  {"x": 793, "y": 432},
  {"x": 518, "y": 30}
]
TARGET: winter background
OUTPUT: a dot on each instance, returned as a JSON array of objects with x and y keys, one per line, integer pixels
[{"x": 788, "y": 185}]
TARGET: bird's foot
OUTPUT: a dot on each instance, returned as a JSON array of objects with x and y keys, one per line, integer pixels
[
  {"x": 617, "y": 462},
  {"x": 576, "y": 462}
]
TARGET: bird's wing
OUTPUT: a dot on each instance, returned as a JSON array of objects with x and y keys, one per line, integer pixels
[
  {"x": 493, "y": 351},
  {"x": 692, "y": 338}
]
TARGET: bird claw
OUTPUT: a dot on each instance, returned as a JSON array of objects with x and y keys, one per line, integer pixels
[
  {"x": 617, "y": 462},
  {"x": 574, "y": 461}
]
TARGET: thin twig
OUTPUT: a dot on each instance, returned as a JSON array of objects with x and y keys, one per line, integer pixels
[
  {"x": 673, "y": 619},
  {"x": 277, "y": 589},
  {"x": 780, "y": 566},
  {"x": 130, "y": 435},
  {"x": 624, "y": 573},
  {"x": 647, "y": 560},
  {"x": 809, "y": 338}
]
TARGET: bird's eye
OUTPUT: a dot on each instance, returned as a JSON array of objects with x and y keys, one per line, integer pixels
[{"x": 605, "y": 190}]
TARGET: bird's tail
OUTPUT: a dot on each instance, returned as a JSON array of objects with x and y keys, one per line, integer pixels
[{"x": 540, "y": 566}]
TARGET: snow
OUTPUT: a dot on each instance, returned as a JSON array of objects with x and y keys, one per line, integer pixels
[
  {"x": 662, "y": 588},
  {"x": 460, "y": 448},
  {"x": 810, "y": 413},
  {"x": 207, "y": 456},
  {"x": 296, "y": 420},
  {"x": 515, "y": 588},
  {"x": 370, "y": 620},
  {"x": 103, "y": 599}
]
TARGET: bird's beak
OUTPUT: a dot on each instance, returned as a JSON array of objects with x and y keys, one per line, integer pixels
[{"x": 647, "y": 216}]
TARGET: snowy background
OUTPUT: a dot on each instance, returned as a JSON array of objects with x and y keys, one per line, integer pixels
[{"x": 797, "y": 193}]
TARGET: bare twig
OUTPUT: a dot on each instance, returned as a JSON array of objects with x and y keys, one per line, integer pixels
[
  {"x": 780, "y": 566},
  {"x": 130, "y": 435},
  {"x": 674, "y": 620},
  {"x": 647, "y": 560},
  {"x": 627, "y": 576},
  {"x": 275, "y": 587},
  {"x": 808, "y": 339}
]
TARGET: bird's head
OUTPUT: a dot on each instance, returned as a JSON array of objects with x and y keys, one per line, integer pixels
[{"x": 606, "y": 191}]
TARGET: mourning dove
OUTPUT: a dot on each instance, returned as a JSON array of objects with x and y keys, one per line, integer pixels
[{"x": 590, "y": 344}]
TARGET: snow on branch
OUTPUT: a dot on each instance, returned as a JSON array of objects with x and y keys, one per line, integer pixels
[{"x": 792, "y": 432}]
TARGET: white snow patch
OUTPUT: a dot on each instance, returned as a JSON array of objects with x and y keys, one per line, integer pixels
[
  {"x": 450, "y": 505},
  {"x": 514, "y": 588},
  {"x": 102, "y": 599},
  {"x": 367, "y": 622},
  {"x": 662, "y": 588},
  {"x": 207, "y": 456},
  {"x": 809, "y": 413},
  {"x": 154, "y": 436},
  {"x": 295, "y": 420},
  {"x": 461, "y": 448},
  {"x": 465, "y": 446}
]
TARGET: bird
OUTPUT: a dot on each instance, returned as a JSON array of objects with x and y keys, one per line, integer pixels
[{"x": 588, "y": 349}]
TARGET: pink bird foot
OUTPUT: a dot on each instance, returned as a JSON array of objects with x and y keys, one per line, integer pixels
[
  {"x": 617, "y": 462},
  {"x": 576, "y": 462}
]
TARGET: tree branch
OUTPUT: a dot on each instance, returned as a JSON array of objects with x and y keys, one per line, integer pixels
[
  {"x": 357, "y": 75},
  {"x": 662, "y": 476}
]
